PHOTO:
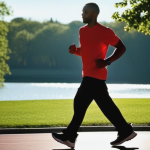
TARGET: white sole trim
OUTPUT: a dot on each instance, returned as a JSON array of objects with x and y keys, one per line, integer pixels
[
  {"x": 68, "y": 143},
  {"x": 126, "y": 139}
]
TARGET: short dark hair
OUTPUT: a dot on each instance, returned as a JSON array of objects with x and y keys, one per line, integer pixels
[{"x": 94, "y": 6}]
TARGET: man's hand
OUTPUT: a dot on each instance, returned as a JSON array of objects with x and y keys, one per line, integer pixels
[
  {"x": 100, "y": 63},
  {"x": 72, "y": 48}
]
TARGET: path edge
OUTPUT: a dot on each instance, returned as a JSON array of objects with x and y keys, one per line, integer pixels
[{"x": 58, "y": 129}]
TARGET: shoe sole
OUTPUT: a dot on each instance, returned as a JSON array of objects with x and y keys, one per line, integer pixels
[
  {"x": 130, "y": 137},
  {"x": 68, "y": 143}
]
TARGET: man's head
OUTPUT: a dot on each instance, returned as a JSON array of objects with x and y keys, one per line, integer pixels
[{"x": 90, "y": 12}]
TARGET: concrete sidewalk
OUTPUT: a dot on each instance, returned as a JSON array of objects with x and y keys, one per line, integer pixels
[
  {"x": 58, "y": 129},
  {"x": 85, "y": 141}
]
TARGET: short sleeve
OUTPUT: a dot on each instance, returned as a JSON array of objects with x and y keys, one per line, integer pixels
[{"x": 110, "y": 37}]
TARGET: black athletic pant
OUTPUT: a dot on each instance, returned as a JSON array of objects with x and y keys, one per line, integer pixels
[{"x": 92, "y": 88}]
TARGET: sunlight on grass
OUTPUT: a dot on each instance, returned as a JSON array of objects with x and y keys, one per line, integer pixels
[{"x": 50, "y": 113}]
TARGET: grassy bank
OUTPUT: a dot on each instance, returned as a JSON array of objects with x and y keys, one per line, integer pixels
[{"x": 50, "y": 113}]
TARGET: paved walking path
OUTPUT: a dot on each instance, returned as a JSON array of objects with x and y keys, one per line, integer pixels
[{"x": 85, "y": 141}]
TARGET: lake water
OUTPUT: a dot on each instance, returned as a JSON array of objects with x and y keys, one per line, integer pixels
[{"x": 33, "y": 91}]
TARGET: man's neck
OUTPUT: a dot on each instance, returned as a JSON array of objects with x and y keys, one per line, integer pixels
[{"x": 91, "y": 24}]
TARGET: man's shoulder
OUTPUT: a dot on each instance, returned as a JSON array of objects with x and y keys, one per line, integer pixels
[
  {"x": 105, "y": 30},
  {"x": 102, "y": 27},
  {"x": 99, "y": 27},
  {"x": 83, "y": 27}
]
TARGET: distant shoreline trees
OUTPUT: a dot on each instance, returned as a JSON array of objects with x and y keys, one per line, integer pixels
[{"x": 44, "y": 46}]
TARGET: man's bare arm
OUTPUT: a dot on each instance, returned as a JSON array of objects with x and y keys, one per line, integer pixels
[{"x": 118, "y": 52}]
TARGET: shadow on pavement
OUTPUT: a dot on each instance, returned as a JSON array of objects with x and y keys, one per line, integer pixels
[
  {"x": 64, "y": 149},
  {"x": 124, "y": 148},
  {"x": 118, "y": 147}
]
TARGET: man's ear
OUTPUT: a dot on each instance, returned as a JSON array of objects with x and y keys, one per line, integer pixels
[{"x": 95, "y": 14}]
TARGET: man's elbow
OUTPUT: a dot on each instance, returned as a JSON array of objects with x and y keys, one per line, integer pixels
[
  {"x": 120, "y": 45},
  {"x": 124, "y": 48}
]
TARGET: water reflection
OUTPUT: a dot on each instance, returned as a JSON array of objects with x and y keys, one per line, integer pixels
[{"x": 33, "y": 91}]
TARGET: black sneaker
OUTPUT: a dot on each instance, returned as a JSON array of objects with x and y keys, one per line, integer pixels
[
  {"x": 124, "y": 137},
  {"x": 64, "y": 140}
]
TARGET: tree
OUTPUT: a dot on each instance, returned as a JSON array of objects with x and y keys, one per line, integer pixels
[
  {"x": 22, "y": 48},
  {"x": 138, "y": 17},
  {"x": 51, "y": 20},
  {"x": 4, "y": 50}
]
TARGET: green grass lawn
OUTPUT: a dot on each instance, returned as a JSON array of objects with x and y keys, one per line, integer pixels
[{"x": 52, "y": 113}]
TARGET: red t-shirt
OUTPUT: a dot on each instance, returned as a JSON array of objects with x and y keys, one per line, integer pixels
[{"x": 94, "y": 44}]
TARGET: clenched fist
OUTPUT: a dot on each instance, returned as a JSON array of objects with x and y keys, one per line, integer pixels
[{"x": 72, "y": 48}]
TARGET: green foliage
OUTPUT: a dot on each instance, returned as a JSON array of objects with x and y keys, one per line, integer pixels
[
  {"x": 4, "y": 50},
  {"x": 138, "y": 17},
  {"x": 52, "y": 113},
  {"x": 42, "y": 45},
  {"x": 22, "y": 46},
  {"x": 4, "y": 10}
]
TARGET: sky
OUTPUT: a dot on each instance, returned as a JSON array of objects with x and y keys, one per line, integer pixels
[{"x": 64, "y": 11}]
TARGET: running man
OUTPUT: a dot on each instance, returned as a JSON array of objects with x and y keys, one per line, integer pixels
[{"x": 94, "y": 41}]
